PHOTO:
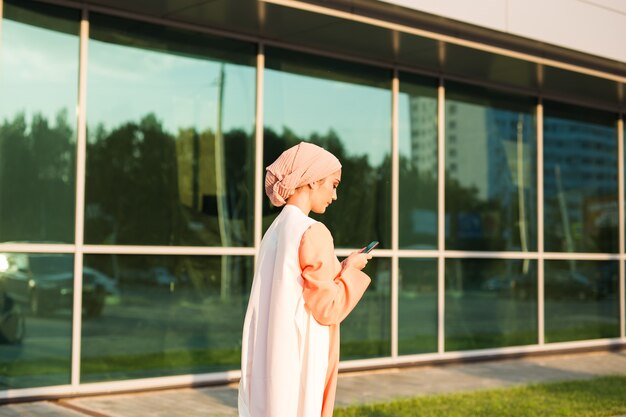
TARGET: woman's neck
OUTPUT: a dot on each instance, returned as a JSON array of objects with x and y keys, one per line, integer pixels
[{"x": 300, "y": 200}]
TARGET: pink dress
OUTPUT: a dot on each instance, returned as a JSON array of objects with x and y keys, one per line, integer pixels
[{"x": 331, "y": 291}]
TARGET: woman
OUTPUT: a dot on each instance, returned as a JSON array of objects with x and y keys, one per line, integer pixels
[{"x": 300, "y": 294}]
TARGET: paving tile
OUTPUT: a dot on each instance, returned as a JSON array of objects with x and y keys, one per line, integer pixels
[
  {"x": 37, "y": 409},
  {"x": 353, "y": 388},
  {"x": 220, "y": 401}
]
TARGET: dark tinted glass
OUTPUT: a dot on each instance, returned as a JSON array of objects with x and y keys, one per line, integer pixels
[
  {"x": 163, "y": 315},
  {"x": 580, "y": 179},
  {"x": 490, "y": 303},
  {"x": 418, "y": 162},
  {"x": 345, "y": 108},
  {"x": 170, "y": 157},
  {"x": 490, "y": 170},
  {"x": 36, "y": 300},
  {"x": 582, "y": 300},
  {"x": 417, "y": 306},
  {"x": 38, "y": 90}
]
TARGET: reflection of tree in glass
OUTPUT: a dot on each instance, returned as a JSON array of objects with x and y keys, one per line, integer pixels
[
  {"x": 362, "y": 212},
  {"x": 131, "y": 179},
  {"x": 148, "y": 186},
  {"x": 37, "y": 173},
  {"x": 463, "y": 202},
  {"x": 418, "y": 193}
]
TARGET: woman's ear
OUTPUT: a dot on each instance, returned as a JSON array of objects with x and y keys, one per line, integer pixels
[{"x": 314, "y": 185}]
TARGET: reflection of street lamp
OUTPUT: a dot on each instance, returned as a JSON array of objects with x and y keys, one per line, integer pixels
[
  {"x": 519, "y": 170},
  {"x": 223, "y": 217},
  {"x": 523, "y": 235},
  {"x": 564, "y": 215}
]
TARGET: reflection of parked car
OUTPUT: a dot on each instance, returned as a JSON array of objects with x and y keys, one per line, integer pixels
[
  {"x": 569, "y": 284},
  {"x": 98, "y": 278},
  {"x": 516, "y": 285},
  {"x": 163, "y": 277},
  {"x": 149, "y": 278},
  {"x": 12, "y": 323},
  {"x": 45, "y": 282}
]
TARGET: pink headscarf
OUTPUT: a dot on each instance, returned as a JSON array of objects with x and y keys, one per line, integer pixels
[{"x": 299, "y": 165}]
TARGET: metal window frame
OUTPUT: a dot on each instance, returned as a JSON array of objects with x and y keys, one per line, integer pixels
[
  {"x": 441, "y": 215},
  {"x": 258, "y": 147},
  {"x": 395, "y": 205},
  {"x": 79, "y": 249},
  {"x": 621, "y": 223},
  {"x": 81, "y": 157},
  {"x": 540, "y": 230}
]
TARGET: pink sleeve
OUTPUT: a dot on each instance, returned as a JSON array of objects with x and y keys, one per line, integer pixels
[{"x": 330, "y": 290}]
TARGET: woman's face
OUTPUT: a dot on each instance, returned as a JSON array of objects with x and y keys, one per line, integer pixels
[{"x": 324, "y": 192}]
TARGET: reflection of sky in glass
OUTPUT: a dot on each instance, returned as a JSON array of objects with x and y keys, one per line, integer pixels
[
  {"x": 126, "y": 83},
  {"x": 182, "y": 91},
  {"x": 360, "y": 115},
  {"x": 39, "y": 71}
]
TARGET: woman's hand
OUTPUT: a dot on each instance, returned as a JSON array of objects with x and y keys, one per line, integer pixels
[{"x": 357, "y": 260}]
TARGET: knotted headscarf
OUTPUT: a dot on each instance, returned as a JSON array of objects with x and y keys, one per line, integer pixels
[{"x": 299, "y": 165}]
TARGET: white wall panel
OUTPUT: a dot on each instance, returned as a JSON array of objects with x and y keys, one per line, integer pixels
[
  {"x": 574, "y": 24},
  {"x": 596, "y": 27},
  {"x": 615, "y": 5},
  {"x": 487, "y": 13}
]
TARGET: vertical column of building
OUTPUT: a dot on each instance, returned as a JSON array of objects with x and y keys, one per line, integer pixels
[
  {"x": 540, "y": 240},
  {"x": 258, "y": 160},
  {"x": 620, "y": 204},
  {"x": 395, "y": 197},
  {"x": 81, "y": 145},
  {"x": 441, "y": 225}
]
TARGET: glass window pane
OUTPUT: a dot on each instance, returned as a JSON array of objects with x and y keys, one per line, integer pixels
[
  {"x": 418, "y": 162},
  {"x": 170, "y": 155},
  {"x": 490, "y": 303},
  {"x": 366, "y": 331},
  {"x": 582, "y": 300},
  {"x": 417, "y": 306},
  {"x": 36, "y": 299},
  {"x": 345, "y": 108},
  {"x": 580, "y": 179},
  {"x": 164, "y": 315},
  {"x": 490, "y": 170},
  {"x": 38, "y": 86}
]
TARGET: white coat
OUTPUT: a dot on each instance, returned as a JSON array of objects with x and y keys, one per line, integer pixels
[{"x": 284, "y": 357}]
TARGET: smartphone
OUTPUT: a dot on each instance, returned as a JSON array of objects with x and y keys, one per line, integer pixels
[{"x": 369, "y": 247}]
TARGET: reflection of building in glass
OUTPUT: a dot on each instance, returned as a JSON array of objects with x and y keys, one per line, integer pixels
[
  {"x": 423, "y": 131},
  {"x": 490, "y": 154},
  {"x": 580, "y": 182},
  {"x": 466, "y": 143},
  {"x": 495, "y": 147}
]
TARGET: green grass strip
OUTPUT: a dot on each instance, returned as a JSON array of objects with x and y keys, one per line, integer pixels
[{"x": 604, "y": 396}]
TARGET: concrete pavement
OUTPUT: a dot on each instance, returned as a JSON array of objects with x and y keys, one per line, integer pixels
[{"x": 353, "y": 388}]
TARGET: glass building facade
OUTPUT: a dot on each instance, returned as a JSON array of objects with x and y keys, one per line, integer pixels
[{"x": 132, "y": 153}]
